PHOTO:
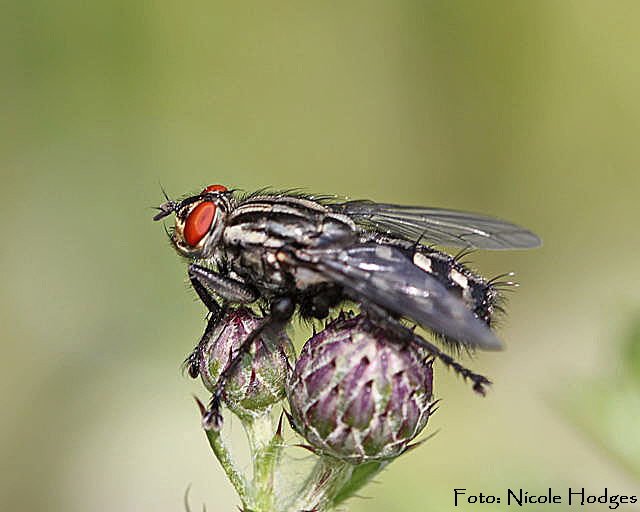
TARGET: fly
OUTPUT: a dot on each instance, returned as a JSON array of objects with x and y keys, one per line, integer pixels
[{"x": 307, "y": 254}]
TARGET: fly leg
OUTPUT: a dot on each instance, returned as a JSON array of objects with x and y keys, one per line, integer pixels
[
  {"x": 193, "y": 362},
  {"x": 230, "y": 290},
  {"x": 204, "y": 279},
  {"x": 405, "y": 335},
  {"x": 281, "y": 311}
]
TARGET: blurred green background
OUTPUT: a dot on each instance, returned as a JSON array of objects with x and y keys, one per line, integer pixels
[{"x": 526, "y": 110}]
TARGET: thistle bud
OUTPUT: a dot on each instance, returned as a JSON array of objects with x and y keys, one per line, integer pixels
[
  {"x": 357, "y": 394},
  {"x": 259, "y": 380}
]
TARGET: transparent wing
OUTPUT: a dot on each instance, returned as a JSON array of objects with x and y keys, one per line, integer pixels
[
  {"x": 444, "y": 227},
  {"x": 385, "y": 275}
]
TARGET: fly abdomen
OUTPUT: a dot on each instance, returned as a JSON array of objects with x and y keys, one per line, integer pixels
[{"x": 479, "y": 295}]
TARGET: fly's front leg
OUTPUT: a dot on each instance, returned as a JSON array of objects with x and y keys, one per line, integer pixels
[
  {"x": 281, "y": 311},
  {"x": 230, "y": 290},
  {"x": 194, "y": 361}
]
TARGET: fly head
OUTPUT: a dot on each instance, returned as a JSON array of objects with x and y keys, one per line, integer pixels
[{"x": 199, "y": 221}]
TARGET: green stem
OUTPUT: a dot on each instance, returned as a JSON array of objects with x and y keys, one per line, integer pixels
[
  {"x": 328, "y": 477},
  {"x": 266, "y": 448},
  {"x": 223, "y": 455}
]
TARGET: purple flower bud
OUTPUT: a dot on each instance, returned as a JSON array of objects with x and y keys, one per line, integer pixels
[
  {"x": 259, "y": 380},
  {"x": 357, "y": 395}
]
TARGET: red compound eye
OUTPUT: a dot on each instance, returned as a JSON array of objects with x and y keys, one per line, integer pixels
[
  {"x": 214, "y": 188},
  {"x": 198, "y": 222}
]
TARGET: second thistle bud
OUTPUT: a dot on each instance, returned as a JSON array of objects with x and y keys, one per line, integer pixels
[
  {"x": 357, "y": 394},
  {"x": 259, "y": 380}
]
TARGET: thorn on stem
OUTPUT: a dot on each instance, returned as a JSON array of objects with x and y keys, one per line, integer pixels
[
  {"x": 290, "y": 419},
  {"x": 279, "y": 429},
  {"x": 203, "y": 409},
  {"x": 307, "y": 447}
]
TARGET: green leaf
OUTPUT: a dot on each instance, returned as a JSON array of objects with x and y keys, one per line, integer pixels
[{"x": 359, "y": 478}]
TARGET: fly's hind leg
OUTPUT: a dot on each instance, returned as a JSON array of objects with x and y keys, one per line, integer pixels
[
  {"x": 405, "y": 335},
  {"x": 204, "y": 281}
]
